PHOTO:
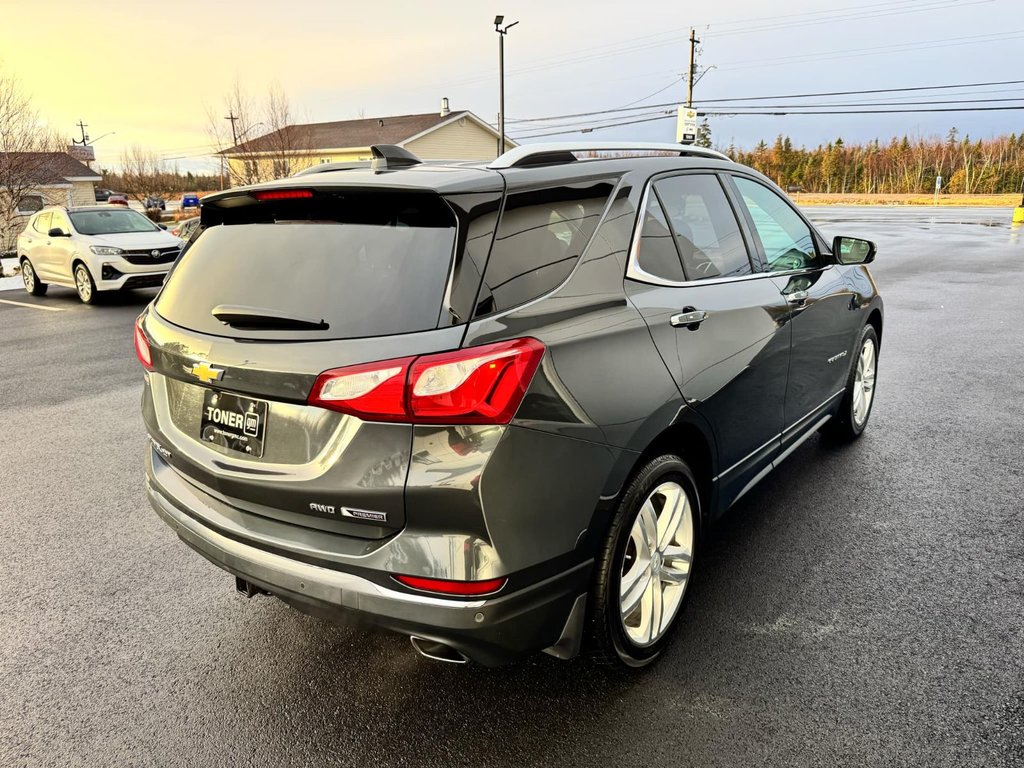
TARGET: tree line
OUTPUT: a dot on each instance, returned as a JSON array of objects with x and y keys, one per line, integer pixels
[{"x": 901, "y": 165}]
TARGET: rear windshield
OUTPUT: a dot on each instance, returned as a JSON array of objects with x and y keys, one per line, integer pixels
[
  {"x": 112, "y": 222},
  {"x": 347, "y": 265}
]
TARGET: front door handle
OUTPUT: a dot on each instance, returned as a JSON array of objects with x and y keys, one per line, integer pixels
[
  {"x": 797, "y": 297},
  {"x": 689, "y": 318}
]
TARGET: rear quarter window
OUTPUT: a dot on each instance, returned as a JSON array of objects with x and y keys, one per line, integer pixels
[{"x": 539, "y": 239}]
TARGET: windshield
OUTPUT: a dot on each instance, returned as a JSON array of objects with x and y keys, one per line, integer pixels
[
  {"x": 112, "y": 222},
  {"x": 360, "y": 264}
]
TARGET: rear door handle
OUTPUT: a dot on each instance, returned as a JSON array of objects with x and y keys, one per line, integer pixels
[
  {"x": 797, "y": 297},
  {"x": 689, "y": 318}
]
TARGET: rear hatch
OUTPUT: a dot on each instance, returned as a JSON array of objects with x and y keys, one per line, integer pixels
[{"x": 272, "y": 293}]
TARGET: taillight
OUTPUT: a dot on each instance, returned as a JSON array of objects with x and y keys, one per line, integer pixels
[
  {"x": 374, "y": 391},
  {"x": 449, "y": 587},
  {"x": 142, "y": 346},
  {"x": 478, "y": 385},
  {"x": 282, "y": 194}
]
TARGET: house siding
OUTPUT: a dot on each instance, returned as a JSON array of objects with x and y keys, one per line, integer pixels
[
  {"x": 83, "y": 193},
  {"x": 461, "y": 139}
]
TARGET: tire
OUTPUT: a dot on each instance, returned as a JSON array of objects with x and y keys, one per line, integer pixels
[
  {"x": 619, "y": 635},
  {"x": 33, "y": 284},
  {"x": 854, "y": 412},
  {"x": 85, "y": 286}
]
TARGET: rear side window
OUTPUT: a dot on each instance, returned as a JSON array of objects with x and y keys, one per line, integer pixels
[
  {"x": 707, "y": 233},
  {"x": 658, "y": 255},
  {"x": 355, "y": 263},
  {"x": 540, "y": 237}
]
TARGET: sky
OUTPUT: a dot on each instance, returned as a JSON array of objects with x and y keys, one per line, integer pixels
[{"x": 152, "y": 76}]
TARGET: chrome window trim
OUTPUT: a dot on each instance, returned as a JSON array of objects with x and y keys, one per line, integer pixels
[{"x": 635, "y": 272}]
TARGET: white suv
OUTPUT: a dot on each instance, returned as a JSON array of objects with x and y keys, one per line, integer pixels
[{"x": 92, "y": 249}]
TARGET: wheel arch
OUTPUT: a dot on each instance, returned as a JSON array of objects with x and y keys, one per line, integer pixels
[{"x": 875, "y": 320}]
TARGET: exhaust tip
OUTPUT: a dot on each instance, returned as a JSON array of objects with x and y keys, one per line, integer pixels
[{"x": 432, "y": 649}]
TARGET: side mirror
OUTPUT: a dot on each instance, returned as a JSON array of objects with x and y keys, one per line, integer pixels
[
  {"x": 57, "y": 232},
  {"x": 853, "y": 250},
  {"x": 162, "y": 226}
]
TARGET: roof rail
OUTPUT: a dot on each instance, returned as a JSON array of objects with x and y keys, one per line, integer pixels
[
  {"x": 561, "y": 151},
  {"x": 343, "y": 165}
]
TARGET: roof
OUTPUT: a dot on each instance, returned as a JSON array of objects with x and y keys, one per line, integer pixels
[
  {"x": 50, "y": 167},
  {"x": 351, "y": 133}
]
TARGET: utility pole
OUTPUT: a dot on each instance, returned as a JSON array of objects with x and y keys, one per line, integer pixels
[
  {"x": 694, "y": 42},
  {"x": 234, "y": 136},
  {"x": 85, "y": 137},
  {"x": 501, "y": 78}
]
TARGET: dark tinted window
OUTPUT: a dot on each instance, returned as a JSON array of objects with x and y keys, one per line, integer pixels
[
  {"x": 786, "y": 239},
  {"x": 539, "y": 239},
  {"x": 30, "y": 203},
  {"x": 658, "y": 255},
  {"x": 366, "y": 264},
  {"x": 706, "y": 229}
]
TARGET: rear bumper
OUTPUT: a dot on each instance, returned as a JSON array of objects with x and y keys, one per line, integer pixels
[{"x": 490, "y": 631}]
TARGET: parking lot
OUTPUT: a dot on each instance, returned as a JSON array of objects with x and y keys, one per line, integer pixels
[{"x": 863, "y": 606}]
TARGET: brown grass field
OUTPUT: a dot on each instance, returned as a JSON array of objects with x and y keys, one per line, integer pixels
[{"x": 988, "y": 201}]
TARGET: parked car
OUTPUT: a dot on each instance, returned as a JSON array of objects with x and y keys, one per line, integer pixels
[
  {"x": 94, "y": 249},
  {"x": 190, "y": 200},
  {"x": 185, "y": 228},
  {"x": 117, "y": 199},
  {"x": 154, "y": 202},
  {"x": 511, "y": 424},
  {"x": 101, "y": 195}
]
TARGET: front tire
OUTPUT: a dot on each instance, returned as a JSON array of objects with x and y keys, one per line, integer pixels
[
  {"x": 33, "y": 284},
  {"x": 644, "y": 570},
  {"x": 84, "y": 284},
  {"x": 855, "y": 410}
]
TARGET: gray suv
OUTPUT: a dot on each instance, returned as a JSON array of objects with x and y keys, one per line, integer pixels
[{"x": 496, "y": 407}]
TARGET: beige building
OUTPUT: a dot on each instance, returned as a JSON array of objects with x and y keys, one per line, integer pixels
[
  {"x": 440, "y": 135},
  {"x": 38, "y": 179}
]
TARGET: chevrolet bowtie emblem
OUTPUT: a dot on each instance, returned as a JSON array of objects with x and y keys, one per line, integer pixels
[{"x": 205, "y": 372}]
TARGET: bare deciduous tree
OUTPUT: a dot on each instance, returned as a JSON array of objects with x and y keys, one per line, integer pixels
[
  {"x": 261, "y": 137},
  {"x": 24, "y": 142},
  {"x": 143, "y": 173}
]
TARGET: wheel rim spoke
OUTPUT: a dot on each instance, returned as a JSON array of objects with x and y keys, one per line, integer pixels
[{"x": 657, "y": 563}]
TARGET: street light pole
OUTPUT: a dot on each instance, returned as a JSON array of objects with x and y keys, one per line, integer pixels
[{"x": 502, "y": 31}]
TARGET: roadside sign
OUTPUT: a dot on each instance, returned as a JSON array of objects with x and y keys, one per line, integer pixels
[{"x": 686, "y": 125}]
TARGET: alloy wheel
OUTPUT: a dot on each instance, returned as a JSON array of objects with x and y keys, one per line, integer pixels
[
  {"x": 83, "y": 283},
  {"x": 656, "y": 564},
  {"x": 864, "y": 383},
  {"x": 28, "y": 276}
]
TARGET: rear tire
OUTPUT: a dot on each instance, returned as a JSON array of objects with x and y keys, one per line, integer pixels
[
  {"x": 84, "y": 284},
  {"x": 644, "y": 570},
  {"x": 33, "y": 284},
  {"x": 855, "y": 410}
]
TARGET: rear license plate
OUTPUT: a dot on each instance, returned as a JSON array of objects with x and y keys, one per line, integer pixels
[{"x": 237, "y": 423}]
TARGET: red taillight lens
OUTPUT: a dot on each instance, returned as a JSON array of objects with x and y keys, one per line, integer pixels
[
  {"x": 282, "y": 194},
  {"x": 479, "y": 385},
  {"x": 142, "y": 346},
  {"x": 448, "y": 587},
  {"x": 374, "y": 391}
]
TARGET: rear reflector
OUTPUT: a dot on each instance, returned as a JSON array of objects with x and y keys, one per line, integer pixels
[
  {"x": 478, "y": 385},
  {"x": 282, "y": 194},
  {"x": 142, "y": 346},
  {"x": 447, "y": 587}
]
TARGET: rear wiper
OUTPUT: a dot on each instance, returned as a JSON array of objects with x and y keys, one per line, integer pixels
[{"x": 259, "y": 319}]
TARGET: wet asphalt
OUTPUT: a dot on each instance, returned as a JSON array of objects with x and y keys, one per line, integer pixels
[{"x": 863, "y": 606}]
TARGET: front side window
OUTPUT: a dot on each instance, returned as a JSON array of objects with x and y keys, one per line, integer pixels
[
  {"x": 58, "y": 221},
  {"x": 540, "y": 237},
  {"x": 787, "y": 241},
  {"x": 112, "y": 222},
  {"x": 706, "y": 230},
  {"x": 42, "y": 223}
]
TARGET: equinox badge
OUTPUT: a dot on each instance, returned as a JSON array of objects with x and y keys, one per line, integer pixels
[{"x": 205, "y": 372}]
